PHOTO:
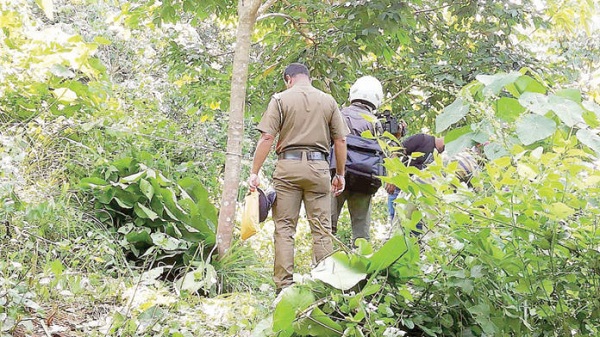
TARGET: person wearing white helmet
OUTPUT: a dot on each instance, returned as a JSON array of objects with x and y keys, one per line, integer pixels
[{"x": 366, "y": 95}]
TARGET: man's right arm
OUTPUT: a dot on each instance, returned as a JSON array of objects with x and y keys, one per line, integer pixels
[
  {"x": 339, "y": 182},
  {"x": 262, "y": 151}
]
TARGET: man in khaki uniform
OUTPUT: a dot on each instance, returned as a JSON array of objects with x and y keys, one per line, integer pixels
[{"x": 307, "y": 121}]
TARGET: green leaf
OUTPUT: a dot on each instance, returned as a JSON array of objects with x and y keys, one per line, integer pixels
[
  {"x": 391, "y": 251},
  {"x": 147, "y": 189},
  {"x": 532, "y": 128},
  {"x": 570, "y": 94},
  {"x": 472, "y": 89},
  {"x": 481, "y": 309},
  {"x": 168, "y": 13},
  {"x": 339, "y": 271},
  {"x": 123, "y": 202},
  {"x": 125, "y": 165},
  {"x": 589, "y": 139},
  {"x": 447, "y": 321},
  {"x": 106, "y": 196},
  {"x": 65, "y": 95},
  {"x": 118, "y": 320},
  {"x": 591, "y": 119},
  {"x": 456, "y": 133},
  {"x": 593, "y": 107},
  {"x": 102, "y": 40},
  {"x": 495, "y": 83},
  {"x": 144, "y": 212},
  {"x": 568, "y": 111},
  {"x": 141, "y": 235},
  {"x": 56, "y": 267},
  {"x": 463, "y": 142},
  {"x": 293, "y": 299},
  {"x": 193, "y": 188},
  {"x": 48, "y": 7},
  {"x": 525, "y": 84},
  {"x": 61, "y": 71},
  {"x": 371, "y": 289},
  {"x": 547, "y": 286},
  {"x": 487, "y": 325},
  {"x": 535, "y": 102},
  {"x": 92, "y": 182},
  {"x": 495, "y": 150},
  {"x": 508, "y": 109},
  {"x": 477, "y": 271},
  {"x": 171, "y": 206},
  {"x": 526, "y": 171},
  {"x": 150, "y": 316},
  {"x": 164, "y": 241},
  {"x": 363, "y": 246},
  {"x": 203, "y": 277},
  {"x": 560, "y": 210},
  {"x": 200, "y": 196},
  {"x": 451, "y": 114},
  {"x": 318, "y": 324},
  {"x": 132, "y": 178}
]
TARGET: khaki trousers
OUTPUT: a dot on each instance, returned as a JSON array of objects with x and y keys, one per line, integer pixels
[
  {"x": 359, "y": 206},
  {"x": 298, "y": 181}
]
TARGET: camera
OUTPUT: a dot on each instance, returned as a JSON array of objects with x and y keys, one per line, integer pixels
[{"x": 391, "y": 124}]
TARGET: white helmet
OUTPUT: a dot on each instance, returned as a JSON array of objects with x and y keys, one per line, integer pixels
[{"x": 369, "y": 89}]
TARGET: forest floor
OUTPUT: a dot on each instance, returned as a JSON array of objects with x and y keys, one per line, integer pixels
[{"x": 78, "y": 304}]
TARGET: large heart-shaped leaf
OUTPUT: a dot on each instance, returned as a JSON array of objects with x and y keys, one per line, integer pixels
[
  {"x": 339, "y": 271},
  {"x": 293, "y": 299},
  {"x": 508, "y": 109},
  {"x": 451, "y": 114},
  {"x": 535, "y": 102},
  {"x": 590, "y": 139},
  {"x": 568, "y": 111},
  {"x": 391, "y": 251},
  {"x": 495, "y": 83},
  {"x": 532, "y": 128}
]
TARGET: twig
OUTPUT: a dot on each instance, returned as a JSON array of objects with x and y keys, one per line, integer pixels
[
  {"x": 395, "y": 95},
  {"x": 43, "y": 324},
  {"x": 306, "y": 314}
]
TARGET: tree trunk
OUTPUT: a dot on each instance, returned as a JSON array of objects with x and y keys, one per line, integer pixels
[{"x": 247, "y": 13}]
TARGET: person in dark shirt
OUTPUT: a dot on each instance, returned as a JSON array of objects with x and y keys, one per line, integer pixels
[
  {"x": 419, "y": 143},
  {"x": 422, "y": 143}
]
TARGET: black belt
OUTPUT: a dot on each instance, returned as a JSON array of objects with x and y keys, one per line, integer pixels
[{"x": 297, "y": 155}]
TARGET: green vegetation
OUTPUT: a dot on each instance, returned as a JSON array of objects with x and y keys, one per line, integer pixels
[
  {"x": 114, "y": 122},
  {"x": 517, "y": 257}
]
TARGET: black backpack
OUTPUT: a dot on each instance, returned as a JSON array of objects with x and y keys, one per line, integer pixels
[{"x": 363, "y": 165}]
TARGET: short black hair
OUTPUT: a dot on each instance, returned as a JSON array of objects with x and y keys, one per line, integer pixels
[{"x": 295, "y": 69}]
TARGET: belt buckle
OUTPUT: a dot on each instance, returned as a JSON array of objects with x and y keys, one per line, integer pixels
[{"x": 314, "y": 155}]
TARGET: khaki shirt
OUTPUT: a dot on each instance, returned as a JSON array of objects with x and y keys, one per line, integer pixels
[{"x": 311, "y": 120}]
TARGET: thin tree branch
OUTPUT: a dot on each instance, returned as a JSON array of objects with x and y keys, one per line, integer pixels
[
  {"x": 295, "y": 23},
  {"x": 269, "y": 15},
  {"x": 436, "y": 8},
  {"x": 396, "y": 94},
  {"x": 264, "y": 7}
]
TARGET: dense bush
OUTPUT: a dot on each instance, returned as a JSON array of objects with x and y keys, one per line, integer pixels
[
  {"x": 157, "y": 218},
  {"x": 516, "y": 255}
]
